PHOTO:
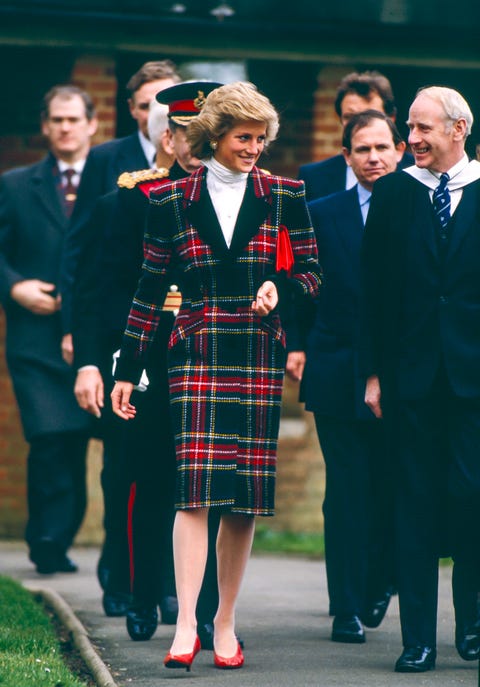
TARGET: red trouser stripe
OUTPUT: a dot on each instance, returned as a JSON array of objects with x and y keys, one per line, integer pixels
[{"x": 131, "y": 504}]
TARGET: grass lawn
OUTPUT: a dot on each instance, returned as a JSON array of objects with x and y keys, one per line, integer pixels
[
  {"x": 31, "y": 654},
  {"x": 305, "y": 544}
]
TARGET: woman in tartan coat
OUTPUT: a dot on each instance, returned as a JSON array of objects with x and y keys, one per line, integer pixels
[{"x": 220, "y": 228}]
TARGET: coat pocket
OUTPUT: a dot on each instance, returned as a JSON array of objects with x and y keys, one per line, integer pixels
[
  {"x": 185, "y": 326},
  {"x": 272, "y": 326}
]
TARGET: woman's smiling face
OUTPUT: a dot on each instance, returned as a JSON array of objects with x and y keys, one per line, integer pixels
[{"x": 240, "y": 148}]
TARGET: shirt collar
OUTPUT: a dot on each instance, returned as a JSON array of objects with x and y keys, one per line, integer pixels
[
  {"x": 77, "y": 166},
  {"x": 363, "y": 194},
  {"x": 148, "y": 148},
  {"x": 350, "y": 179},
  {"x": 462, "y": 173},
  {"x": 453, "y": 171}
]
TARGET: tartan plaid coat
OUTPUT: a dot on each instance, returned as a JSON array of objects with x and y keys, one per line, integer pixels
[{"x": 226, "y": 364}]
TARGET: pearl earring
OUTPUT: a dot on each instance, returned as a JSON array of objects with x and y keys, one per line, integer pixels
[{"x": 213, "y": 145}]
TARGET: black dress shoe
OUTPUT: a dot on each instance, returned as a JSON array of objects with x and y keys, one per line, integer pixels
[
  {"x": 116, "y": 604},
  {"x": 66, "y": 565},
  {"x": 348, "y": 629},
  {"x": 468, "y": 642},
  {"x": 168, "y": 610},
  {"x": 416, "y": 659},
  {"x": 49, "y": 558},
  {"x": 142, "y": 622},
  {"x": 375, "y": 613},
  {"x": 44, "y": 555},
  {"x": 103, "y": 572}
]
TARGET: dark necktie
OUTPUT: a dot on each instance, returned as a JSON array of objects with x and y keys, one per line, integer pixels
[
  {"x": 441, "y": 200},
  {"x": 69, "y": 191}
]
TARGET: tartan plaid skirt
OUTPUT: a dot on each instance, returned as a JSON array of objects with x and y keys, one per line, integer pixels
[{"x": 226, "y": 375}]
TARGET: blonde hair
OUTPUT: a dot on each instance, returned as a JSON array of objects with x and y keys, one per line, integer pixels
[{"x": 225, "y": 107}]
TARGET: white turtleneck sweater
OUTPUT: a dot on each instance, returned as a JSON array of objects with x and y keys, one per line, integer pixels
[{"x": 226, "y": 189}]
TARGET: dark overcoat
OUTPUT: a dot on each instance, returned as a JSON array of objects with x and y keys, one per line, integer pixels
[
  {"x": 226, "y": 364},
  {"x": 331, "y": 384},
  {"x": 105, "y": 163},
  {"x": 421, "y": 336},
  {"x": 32, "y": 230}
]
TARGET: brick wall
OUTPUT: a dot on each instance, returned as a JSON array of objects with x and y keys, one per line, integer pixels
[
  {"x": 96, "y": 75},
  {"x": 13, "y": 451},
  {"x": 327, "y": 131}
]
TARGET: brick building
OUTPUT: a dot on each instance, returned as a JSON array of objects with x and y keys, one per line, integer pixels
[{"x": 295, "y": 54}]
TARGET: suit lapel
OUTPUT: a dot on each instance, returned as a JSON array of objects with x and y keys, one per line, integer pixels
[
  {"x": 132, "y": 156},
  {"x": 423, "y": 213},
  {"x": 253, "y": 211},
  {"x": 349, "y": 227},
  {"x": 202, "y": 216},
  {"x": 464, "y": 216},
  {"x": 46, "y": 193}
]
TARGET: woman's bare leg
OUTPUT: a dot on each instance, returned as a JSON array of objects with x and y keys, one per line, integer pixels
[
  {"x": 190, "y": 547},
  {"x": 234, "y": 543}
]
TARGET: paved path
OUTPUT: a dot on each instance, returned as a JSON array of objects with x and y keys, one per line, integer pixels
[{"x": 283, "y": 619}]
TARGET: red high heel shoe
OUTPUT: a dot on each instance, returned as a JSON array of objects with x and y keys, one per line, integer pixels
[
  {"x": 235, "y": 661},
  {"x": 182, "y": 660}
]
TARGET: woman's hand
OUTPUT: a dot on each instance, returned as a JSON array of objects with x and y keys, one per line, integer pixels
[
  {"x": 121, "y": 400},
  {"x": 266, "y": 300}
]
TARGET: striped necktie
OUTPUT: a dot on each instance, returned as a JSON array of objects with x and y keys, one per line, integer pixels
[{"x": 441, "y": 200}]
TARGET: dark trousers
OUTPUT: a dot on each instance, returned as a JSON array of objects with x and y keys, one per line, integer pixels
[
  {"x": 116, "y": 480},
  {"x": 140, "y": 453},
  {"x": 149, "y": 442},
  {"x": 358, "y": 512},
  {"x": 438, "y": 505},
  {"x": 56, "y": 487}
]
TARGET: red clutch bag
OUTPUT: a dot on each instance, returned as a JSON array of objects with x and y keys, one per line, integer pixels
[{"x": 284, "y": 257}]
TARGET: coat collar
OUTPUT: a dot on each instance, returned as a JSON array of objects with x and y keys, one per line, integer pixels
[
  {"x": 200, "y": 212},
  {"x": 464, "y": 216},
  {"x": 462, "y": 219},
  {"x": 340, "y": 216},
  {"x": 44, "y": 188},
  {"x": 130, "y": 150},
  {"x": 195, "y": 185}
]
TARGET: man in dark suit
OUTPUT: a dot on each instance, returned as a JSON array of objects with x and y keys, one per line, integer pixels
[
  {"x": 356, "y": 92},
  {"x": 104, "y": 165},
  {"x": 36, "y": 205},
  {"x": 358, "y": 516},
  {"x": 421, "y": 353},
  {"x": 108, "y": 160}
]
